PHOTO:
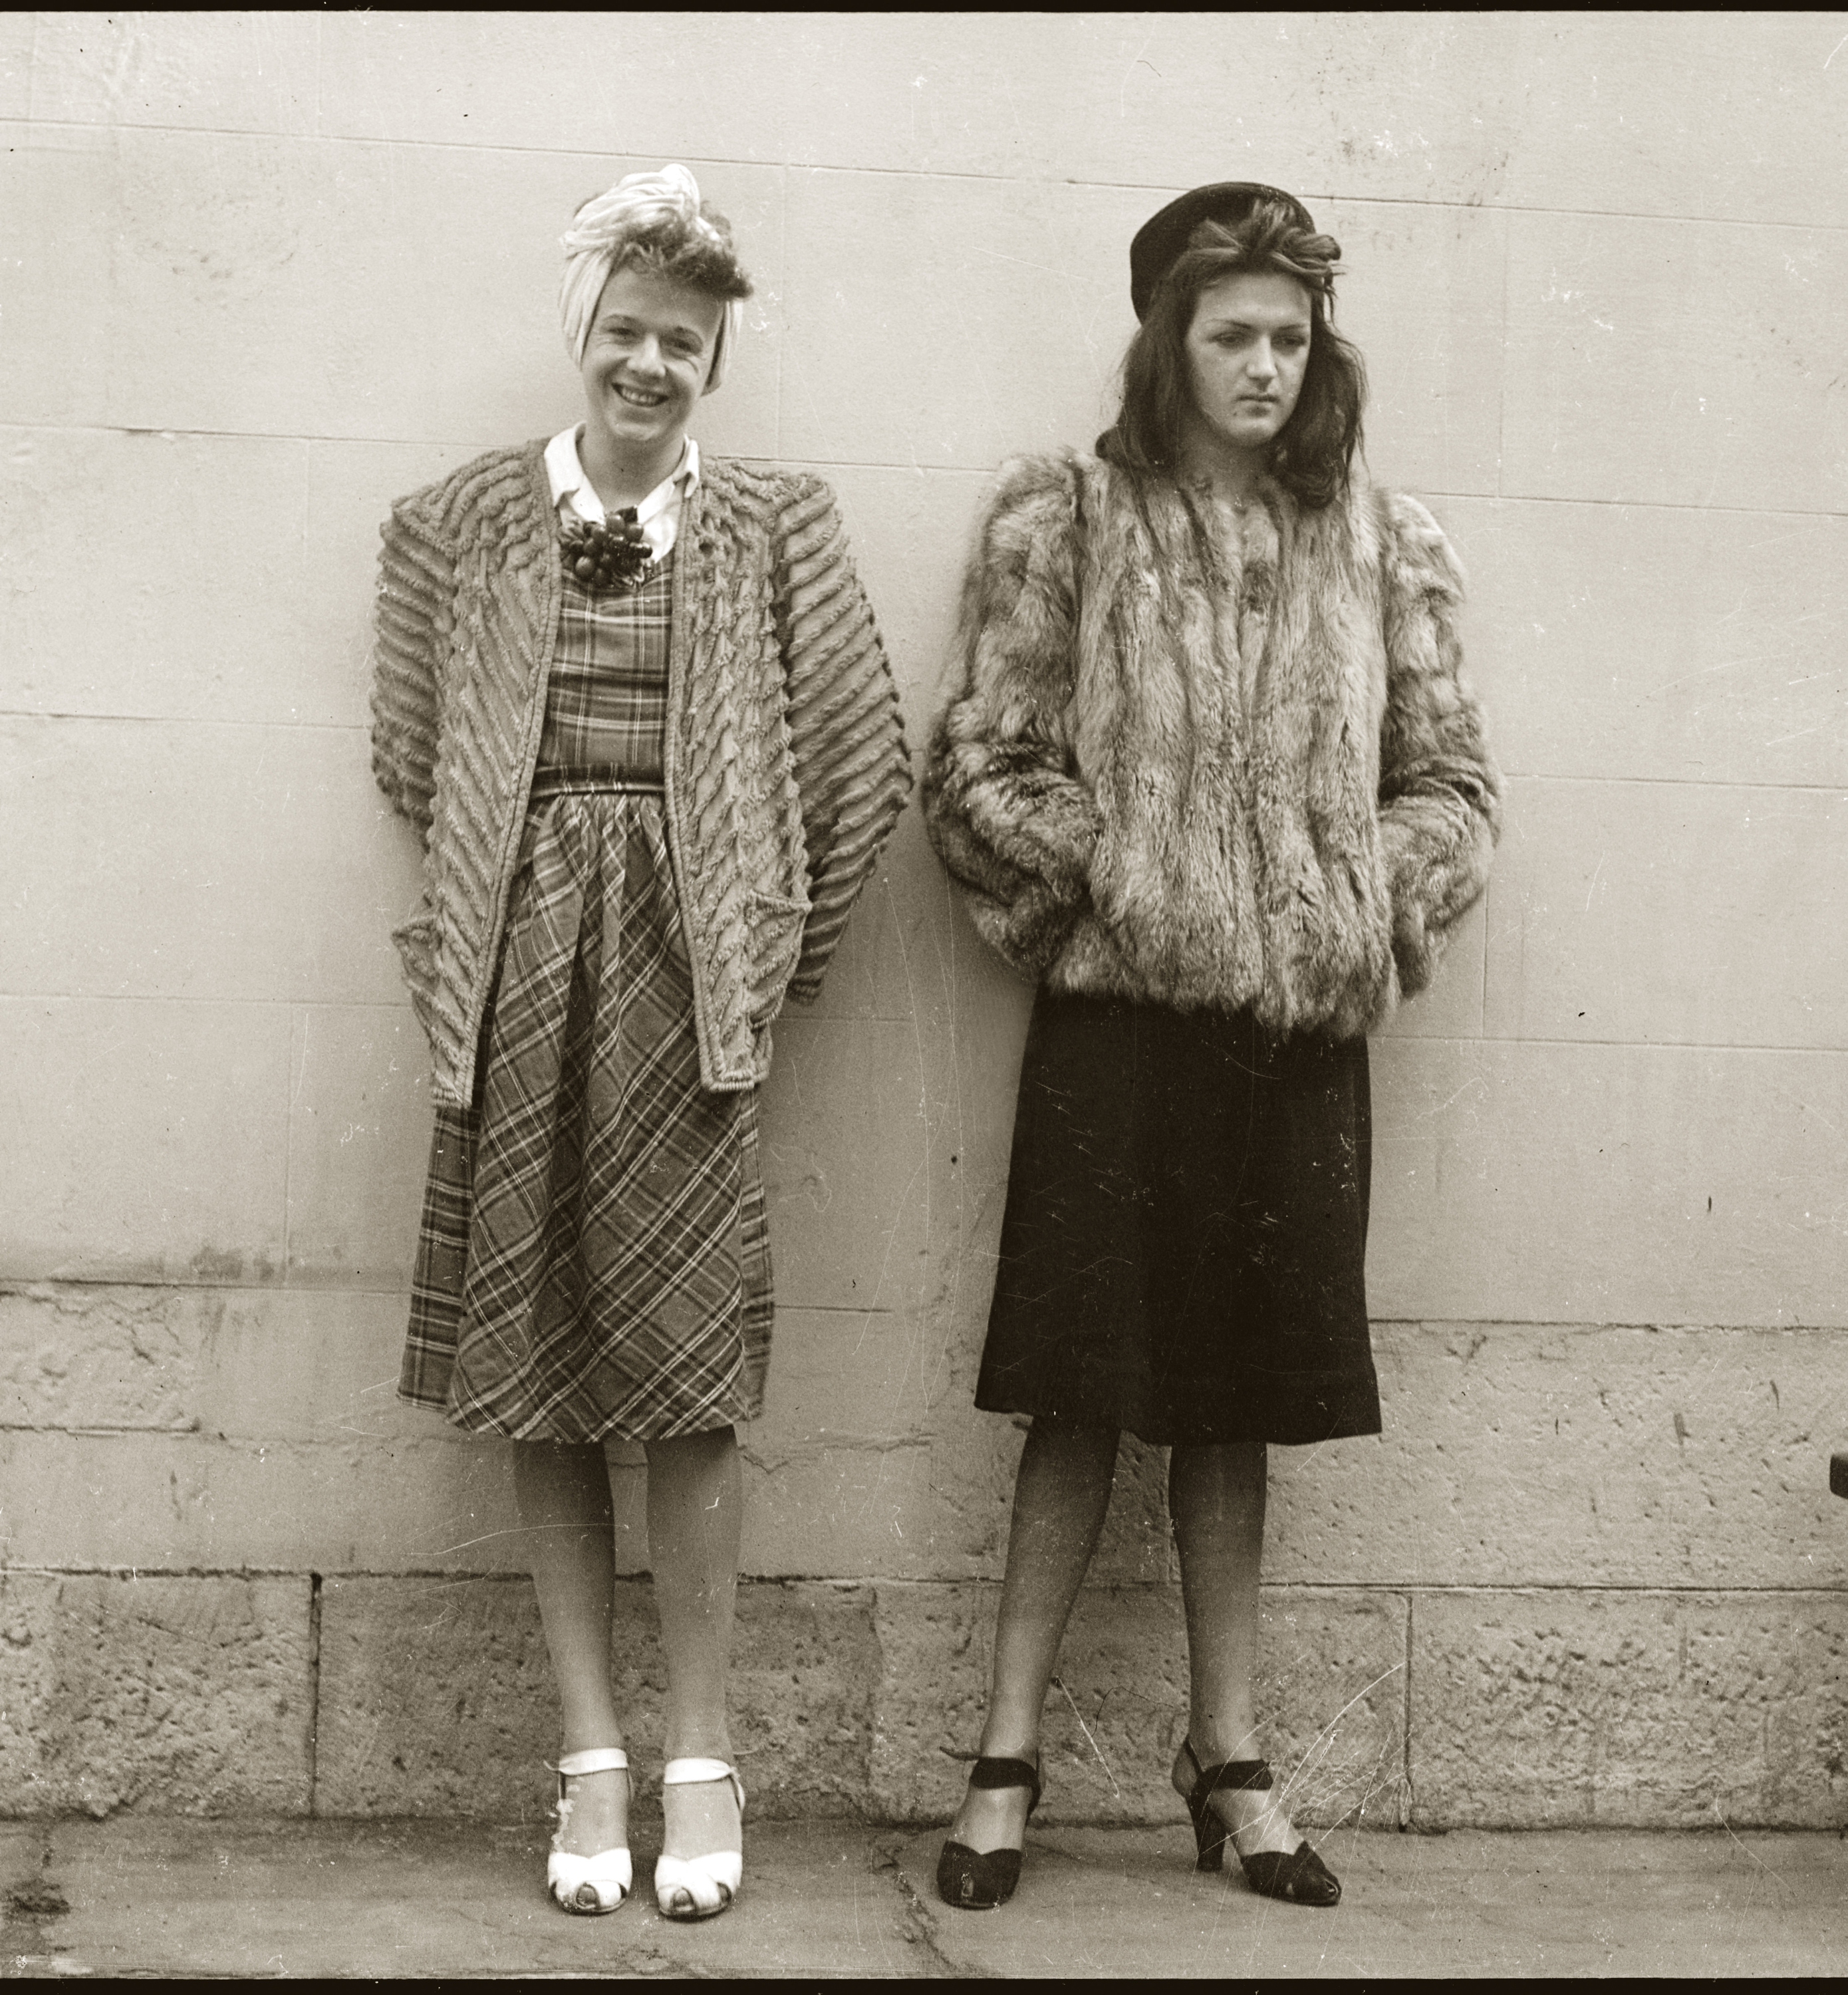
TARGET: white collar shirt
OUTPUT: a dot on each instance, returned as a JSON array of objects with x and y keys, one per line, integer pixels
[{"x": 658, "y": 515}]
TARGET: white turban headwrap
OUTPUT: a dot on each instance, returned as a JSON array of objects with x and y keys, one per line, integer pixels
[{"x": 604, "y": 228}]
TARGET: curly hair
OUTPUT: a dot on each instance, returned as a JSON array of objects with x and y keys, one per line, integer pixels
[
  {"x": 695, "y": 250},
  {"x": 1313, "y": 456}
]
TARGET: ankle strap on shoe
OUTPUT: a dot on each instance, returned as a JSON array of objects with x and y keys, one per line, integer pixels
[
  {"x": 690, "y": 1772},
  {"x": 1002, "y": 1773},
  {"x": 593, "y": 1760},
  {"x": 1233, "y": 1777},
  {"x": 693, "y": 1773}
]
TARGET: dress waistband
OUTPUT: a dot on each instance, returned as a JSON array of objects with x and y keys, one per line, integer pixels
[{"x": 550, "y": 783}]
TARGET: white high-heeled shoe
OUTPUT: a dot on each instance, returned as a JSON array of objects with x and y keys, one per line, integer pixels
[
  {"x": 587, "y": 1885},
  {"x": 711, "y": 1882}
]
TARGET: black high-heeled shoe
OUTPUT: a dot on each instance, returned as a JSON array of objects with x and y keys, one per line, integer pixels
[
  {"x": 1298, "y": 1876},
  {"x": 979, "y": 1880}
]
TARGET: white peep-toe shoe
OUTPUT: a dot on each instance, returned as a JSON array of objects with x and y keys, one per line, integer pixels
[
  {"x": 587, "y": 1885},
  {"x": 707, "y": 1882}
]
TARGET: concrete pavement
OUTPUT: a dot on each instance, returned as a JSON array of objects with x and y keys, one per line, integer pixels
[{"x": 160, "y": 1897}]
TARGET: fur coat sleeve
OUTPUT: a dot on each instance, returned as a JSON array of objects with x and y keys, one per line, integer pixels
[
  {"x": 1005, "y": 809},
  {"x": 1439, "y": 791}
]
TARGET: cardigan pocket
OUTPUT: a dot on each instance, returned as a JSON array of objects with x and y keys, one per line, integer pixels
[
  {"x": 776, "y": 925},
  {"x": 416, "y": 941}
]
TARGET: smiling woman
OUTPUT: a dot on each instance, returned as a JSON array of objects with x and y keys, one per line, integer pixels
[{"x": 636, "y": 703}]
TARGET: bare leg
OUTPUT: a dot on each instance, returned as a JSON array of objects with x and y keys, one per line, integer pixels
[
  {"x": 695, "y": 1506},
  {"x": 563, "y": 1496},
  {"x": 1216, "y": 1497},
  {"x": 1061, "y": 1495}
]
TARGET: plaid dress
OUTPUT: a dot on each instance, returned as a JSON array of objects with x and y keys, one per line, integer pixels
[{"x": 594, "y": 1258}]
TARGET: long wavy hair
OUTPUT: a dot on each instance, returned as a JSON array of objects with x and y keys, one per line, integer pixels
[{"x": 1313, "y": 455}]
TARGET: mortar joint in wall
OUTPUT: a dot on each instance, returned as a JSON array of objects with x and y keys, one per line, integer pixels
[{"x": 315, "y": 1585}]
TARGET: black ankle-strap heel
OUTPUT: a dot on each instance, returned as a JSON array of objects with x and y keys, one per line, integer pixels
[
  {"x": 1300, "y": 1877},
  {"x": 977, "y": 1880}
]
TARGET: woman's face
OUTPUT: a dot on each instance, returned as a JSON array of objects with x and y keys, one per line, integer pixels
[
  {"x": 1248, "y": 349},
  {"x": 645, "y": 363}
]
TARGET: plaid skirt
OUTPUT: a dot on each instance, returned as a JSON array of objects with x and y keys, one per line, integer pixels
[{"x": 594, "y": 1258}]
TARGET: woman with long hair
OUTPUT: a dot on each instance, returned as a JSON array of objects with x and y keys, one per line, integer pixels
[
  {"x": 1210, "y": 776},
  {"x": 634, "y": 699}
]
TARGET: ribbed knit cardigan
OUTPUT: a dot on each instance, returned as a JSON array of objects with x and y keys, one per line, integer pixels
[
  {"x": 784, "y": 759},
  {"x": 1146, "y": 793}
]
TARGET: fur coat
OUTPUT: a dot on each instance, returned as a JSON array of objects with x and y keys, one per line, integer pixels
[
  {"x": 785, "y": 758},
  {"x": 1209, "y": 776}
]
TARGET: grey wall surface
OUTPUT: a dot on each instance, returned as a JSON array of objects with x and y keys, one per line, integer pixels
[{"x": 261, "y": 273}]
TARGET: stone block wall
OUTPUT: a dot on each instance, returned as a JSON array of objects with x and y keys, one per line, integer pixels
[{"x": 263, "y": 272}]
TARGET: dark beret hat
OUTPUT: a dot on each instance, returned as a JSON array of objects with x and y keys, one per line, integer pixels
[{"x": 1161, "y": 239}]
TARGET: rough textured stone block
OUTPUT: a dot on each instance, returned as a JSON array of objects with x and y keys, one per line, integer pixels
[
  {"x": 1332, "y": 1697},
  {"x": 176, "y": 1695},
  {"x": 1612, "y": 1456},
  {"x": 264, "y": 1366},
  {"x": 1541, "y": 1710},
  {"x": 842, "y": 1510},
  {"x": 931, "y": 1501},
  {"x": 308, "y": 1365},
  {"x": 76, "y": 1355},
  {"x": 437, "y": 1697},
  {"x": 1513, "y": 1454}
]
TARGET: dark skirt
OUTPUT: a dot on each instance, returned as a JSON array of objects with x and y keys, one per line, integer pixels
[{"x": 1183, "y": 1253}]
